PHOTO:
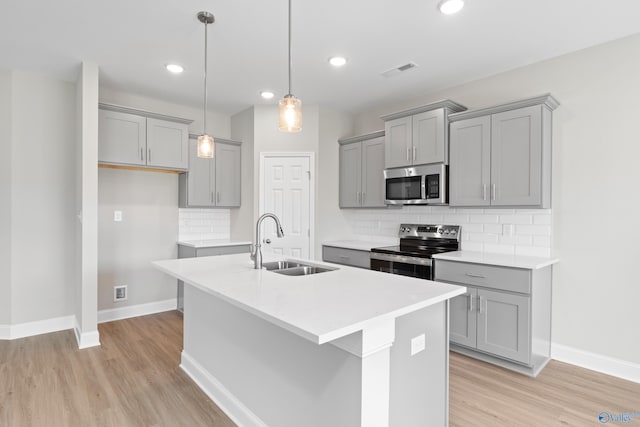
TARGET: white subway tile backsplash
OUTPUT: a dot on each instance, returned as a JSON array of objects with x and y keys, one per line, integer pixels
[
  {"x": 533, "y": 251},
  {"x": 516, "y": 219},
  {"x": 542, "y": 241},
  {"x": 482, "y": 229},
  {"x": 484, "y": 219},
  {"x": 534, "y": 230},
  {"x": 204, "y": 224}
]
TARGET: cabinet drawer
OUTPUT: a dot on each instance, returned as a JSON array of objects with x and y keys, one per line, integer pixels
[
  {"x": 222, "y": 250},
  {"x": 487, "y": 276},
  {"x": 352, "y": 257}
]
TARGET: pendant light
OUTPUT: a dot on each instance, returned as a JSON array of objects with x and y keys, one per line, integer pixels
[
  {"x": 290, "y": 107},
  {"x": 205, "y": 142}
]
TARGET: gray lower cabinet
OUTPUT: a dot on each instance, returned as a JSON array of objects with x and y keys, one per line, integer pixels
[
  {"x": 212, "y": 182},
  {"x": 361, "y": 171},
  {"x": 188, "y": 251},
  {"x": 345, "y": 256},
  {"x": 139, "y": 138},
  {"x": 501, "y": 156},
  {"x": 505, "y": 316}
]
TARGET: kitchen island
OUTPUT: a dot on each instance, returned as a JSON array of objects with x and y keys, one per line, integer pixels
[{"x": 328, "y": 349}]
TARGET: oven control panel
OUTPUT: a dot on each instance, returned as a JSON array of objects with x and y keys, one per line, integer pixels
[{"x": 430, "y": 231}]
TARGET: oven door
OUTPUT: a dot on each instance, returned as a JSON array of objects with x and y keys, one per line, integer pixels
[{"x": 402, "y": 265}]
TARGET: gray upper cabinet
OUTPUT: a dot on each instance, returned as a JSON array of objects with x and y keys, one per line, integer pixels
[
  {"x": 139, "y": 138},
  {"x": 418, "y": 136},
  {"x": 227, "y": 175},
  {"x": 501, "y": 156},
  {"x": 167, "y": 144},
  {"x": 122, "y": 138},
  {"x": 361, "y": 171},
  {"x": 212, "y": 182},
  {"x": 470, "y": 166}
]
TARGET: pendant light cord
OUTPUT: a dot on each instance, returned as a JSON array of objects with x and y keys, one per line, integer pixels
[
  {"x": 290, "y": 62},
  {"x": 204, "y": 119}
]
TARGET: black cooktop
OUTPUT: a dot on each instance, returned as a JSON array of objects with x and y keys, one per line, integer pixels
[{"x": 412, "y": 251}]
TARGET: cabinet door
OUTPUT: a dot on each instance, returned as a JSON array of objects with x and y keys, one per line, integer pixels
[
  {"x": 121, "y": 138},
  {"x": 227, "y": 175},
  {"x": 428, "y": 137},
  {"x": 398, "y": 143},
  {"x": 470, "y": 162},
  {"x": 462, "y": 318},
  {"x": 516, "y": 157},
  {"x": 199, "y": 178},
  {"x": 504, "y": 325},
  {"x": 373, "y": 173},
  {"x": 350, "y": 175},
  {"x": 167, "y": 144}
]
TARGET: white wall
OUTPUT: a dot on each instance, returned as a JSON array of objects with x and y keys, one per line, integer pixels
[
  {"x": 42, "y": 197},
  {"x": 148, "y": 231},
  {"x": 595, "y": 177},
  {"x": 242, "y": 129},
  {"x": 5, "y": 196},
  {"x": 332, "y": 222},
  {"x": 149, "y": 202}
]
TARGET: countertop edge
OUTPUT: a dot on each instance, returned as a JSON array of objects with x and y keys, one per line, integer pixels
[
  {"x": 199, "y": 244},
  {"x": 502, "y": 260}
]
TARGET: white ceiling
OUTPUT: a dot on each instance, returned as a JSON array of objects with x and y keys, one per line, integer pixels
[{"x": 132, "y": 40}]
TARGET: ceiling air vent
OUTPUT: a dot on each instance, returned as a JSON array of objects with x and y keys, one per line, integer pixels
[{"x": 397, "y": 70}]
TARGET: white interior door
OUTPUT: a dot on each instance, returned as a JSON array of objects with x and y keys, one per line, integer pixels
[{"x": 287, "y": 193}]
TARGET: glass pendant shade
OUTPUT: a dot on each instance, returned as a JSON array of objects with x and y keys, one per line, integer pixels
[
  {"x": 205, "y": 147},
  {"x": 290, "y": 114}
]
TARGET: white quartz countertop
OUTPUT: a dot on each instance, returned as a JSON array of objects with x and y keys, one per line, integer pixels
[
  {"x": 504, "y": 260},
  {"x": 214, "y": 243},
  {"x": 319, "y": 307},
  {"x": 360, "y": 245}
]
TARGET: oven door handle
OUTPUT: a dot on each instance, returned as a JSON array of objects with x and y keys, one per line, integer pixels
[{"x": 401, "y": 258}]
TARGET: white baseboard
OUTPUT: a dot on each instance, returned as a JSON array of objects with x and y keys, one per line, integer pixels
[
  {"x": 28, "y": 329},
  {"x": 86, "y": 339},
  {"x": 112, "y": 314},
  {"x": 230, "y": 405},
  {"x": 596, "y": 362}
]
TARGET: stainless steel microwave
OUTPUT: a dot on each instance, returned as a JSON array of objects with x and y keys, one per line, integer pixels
[{"x": 419, "y": 185}]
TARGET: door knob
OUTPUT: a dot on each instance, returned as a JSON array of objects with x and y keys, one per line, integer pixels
[{"x": 267, "y": 241}]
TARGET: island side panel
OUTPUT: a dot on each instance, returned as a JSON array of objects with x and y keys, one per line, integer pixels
[
  {"x": 419, "y": 383},
  {"x": 283, "y": 379}
]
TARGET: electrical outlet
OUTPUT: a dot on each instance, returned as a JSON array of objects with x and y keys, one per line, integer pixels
[
  {"x": 117, "y": 216},
  {"x": 507, "y": 230},
  {"x": 418, "y": 344},
  {"x": 119, "y": 293}
]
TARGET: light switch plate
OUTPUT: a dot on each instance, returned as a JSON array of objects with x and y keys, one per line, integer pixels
[
  {"x": 117, "y": 216},
  {"x": 418, "y": 344}
]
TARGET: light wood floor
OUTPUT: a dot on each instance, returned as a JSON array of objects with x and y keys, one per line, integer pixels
[{"x": 133, "y": 379}]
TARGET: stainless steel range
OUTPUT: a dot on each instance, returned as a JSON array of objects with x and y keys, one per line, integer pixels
[{"x": 418, "y": 242}]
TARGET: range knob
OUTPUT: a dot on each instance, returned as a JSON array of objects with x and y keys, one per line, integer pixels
[
  {"x": 439, "y": 230},
  {"x": 446, "y": 231},
  {"x": 453, "y": 232}
]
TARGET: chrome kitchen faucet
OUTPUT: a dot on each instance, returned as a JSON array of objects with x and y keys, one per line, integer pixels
[{"x": 256, "y": 250}]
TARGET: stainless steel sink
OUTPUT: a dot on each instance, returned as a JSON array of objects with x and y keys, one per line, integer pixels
[
  {"x": 279, "y": 265},
  {"x": 303, "y": 270}
]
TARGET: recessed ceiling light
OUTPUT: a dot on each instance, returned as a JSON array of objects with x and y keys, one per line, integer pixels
[
  {"x": 174, "y": 68},
  {"x": 267, "y": 94},
  {"x": 337, "y": 61},
  {"x": 449, "y": 7}
]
